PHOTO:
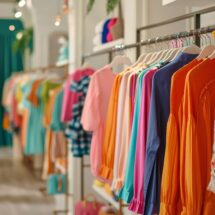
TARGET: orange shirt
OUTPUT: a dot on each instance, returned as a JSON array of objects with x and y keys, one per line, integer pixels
[
  {"x": 197, "y": 140},
  {"x": 170, "y": 185},
  {"x": 32, "y": 97},
  {"x": 108, "y": 149}
]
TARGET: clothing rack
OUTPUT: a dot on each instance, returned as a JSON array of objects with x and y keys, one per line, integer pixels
[
  {"x": 196, "y": 33},
  {"x": 67, "y": 194}
]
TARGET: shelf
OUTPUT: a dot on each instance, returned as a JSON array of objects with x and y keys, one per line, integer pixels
[
  {"x": 62, "y": 63},
  {"x": 108, "y": 45},
  {"x": 101, "y": 192}
]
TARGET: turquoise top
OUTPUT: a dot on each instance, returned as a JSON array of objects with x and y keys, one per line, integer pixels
[
  {"x": 56, "y": 124},
  {"x": 35, "y": 137}
]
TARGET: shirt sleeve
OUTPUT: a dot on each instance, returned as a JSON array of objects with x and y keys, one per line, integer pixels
[
  {"x": 108, "y": 147},
  {"x": 152, "y": 146},
  {"x": 170, "y": 177},
  {"x": 91, "y": 118}
]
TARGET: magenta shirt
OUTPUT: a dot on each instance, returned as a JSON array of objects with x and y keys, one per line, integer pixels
[
  {"x": 137, "y": 203},
  {"x": 70, "y": 97}
]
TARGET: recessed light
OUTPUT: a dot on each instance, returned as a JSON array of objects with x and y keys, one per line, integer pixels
[
  {"x": 22, "y": 3},
  {"x": 18, "y": 14}
]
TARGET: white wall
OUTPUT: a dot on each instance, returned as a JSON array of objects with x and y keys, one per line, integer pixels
[
  {"x": 6, "y": 10},
  {"x": 44, "y": 13}
]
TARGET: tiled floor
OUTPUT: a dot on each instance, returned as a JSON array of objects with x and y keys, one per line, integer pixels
[{"x": 19, "y": 189}]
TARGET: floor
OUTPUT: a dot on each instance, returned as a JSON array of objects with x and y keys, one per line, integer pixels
[{"x": 20, "y": 189}]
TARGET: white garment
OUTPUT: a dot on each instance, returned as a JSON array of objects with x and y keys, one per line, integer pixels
[
  {"x": 97, "y": 40},
  {"x": 99, "y": 27}
]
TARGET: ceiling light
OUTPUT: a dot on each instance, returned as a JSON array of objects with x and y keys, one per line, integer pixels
[
  {"x": 18, "y": 14},
  {"x": 11, "y": 27},
  {"x": 22, "y": 3}
]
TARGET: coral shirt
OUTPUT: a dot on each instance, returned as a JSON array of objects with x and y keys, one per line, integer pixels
[{"x": 95, "y": 112}]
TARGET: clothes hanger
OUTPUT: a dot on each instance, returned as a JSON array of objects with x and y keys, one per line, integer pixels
[
  {"x": 120, "y": 59},
  {"x": 212, "y": 56},
  {"x": 172, "y": 51},
  {"x": 192, "y": 49},
  {"x": 207, "y": 49}
]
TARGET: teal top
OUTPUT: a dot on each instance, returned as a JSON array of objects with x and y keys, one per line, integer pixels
[
  {"x": 35, "y": 136},
  {"x": 56, "y": 124},
  {"x": 126, "y": 193}
]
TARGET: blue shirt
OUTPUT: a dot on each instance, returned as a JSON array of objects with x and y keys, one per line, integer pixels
[{"x": 156, "y": 137}]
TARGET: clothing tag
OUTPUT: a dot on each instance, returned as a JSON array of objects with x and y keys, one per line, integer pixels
[{"x": 211, "y": 186}]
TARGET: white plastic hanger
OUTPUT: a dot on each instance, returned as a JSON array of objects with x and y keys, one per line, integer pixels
[
  {"x": 121, "y": 60},
  {"x": 206, "y": 51}
]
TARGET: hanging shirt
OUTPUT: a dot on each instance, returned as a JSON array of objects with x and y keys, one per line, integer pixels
[
  {"x": 70, "y": 97},
  {"x": 108, "y": 147},
  {"x": 121, "y": 117},
  {"x": 125, "y": 134},
  {"x": 95, "y": 112},
  {"x": 170, "y": 186},
  {"x": 35, "y": 136},
  {"x": 156, "y": 137},
  {"x": 77, "y": 136},
  {"x": 137, "y": 203},
  {"x": 197, "y": 128},
  {"x": 126, "y": 192}
]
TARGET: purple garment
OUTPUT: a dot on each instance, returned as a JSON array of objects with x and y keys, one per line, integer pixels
[{"x": 137, "y": 203}]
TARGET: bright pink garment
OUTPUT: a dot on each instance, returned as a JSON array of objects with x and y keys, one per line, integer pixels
[
  {"x": 137, "y": 203},
  {"x": 87, "y": 208},
  {"x": 70, "y": 97},
  {"x": 95, "y": 111},
  {"x": 110, "y": 25}
]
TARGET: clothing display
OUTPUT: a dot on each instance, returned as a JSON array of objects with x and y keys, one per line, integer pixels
[
  {"x": 147, "y": 141},
  {"x": 117, "y": 98}
]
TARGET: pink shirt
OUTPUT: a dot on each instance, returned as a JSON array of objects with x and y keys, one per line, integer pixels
[
  {"x": 137, "y": 203},
  {"x": 70, "y": 97},
  {"x": 95, "y": 112}
]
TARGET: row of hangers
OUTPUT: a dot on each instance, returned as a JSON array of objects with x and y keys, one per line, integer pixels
[{"x": 175, "y": 47}]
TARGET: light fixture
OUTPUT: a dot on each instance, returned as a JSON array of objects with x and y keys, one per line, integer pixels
[
  {"x": 22, "y": 3},
  {"x": 57, "y": 20},
  {"x": 11, "y": 27},
  {"x": 18, "y": 14}
]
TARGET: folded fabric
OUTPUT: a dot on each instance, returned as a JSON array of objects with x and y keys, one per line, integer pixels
[
  {"x": 110, "y": 25},
  {"x": 99, "y": 27},
  {"x": 105, "y": 31},
  {"x": 97, "y": 40}
]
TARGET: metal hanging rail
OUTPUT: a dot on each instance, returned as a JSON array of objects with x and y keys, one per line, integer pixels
[
  {"x": 182, "y": 34},
  {"x": 179, "y": 18},
  {"x": 197, "y": 23}
]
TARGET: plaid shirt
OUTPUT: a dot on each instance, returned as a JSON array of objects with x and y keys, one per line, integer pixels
[{"x": 79, "y": 138}]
